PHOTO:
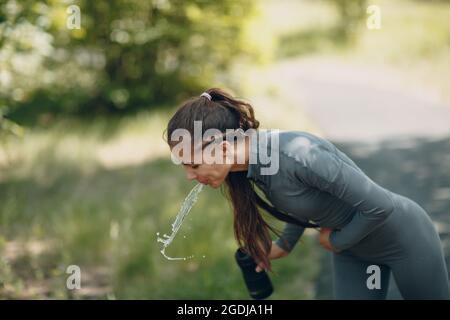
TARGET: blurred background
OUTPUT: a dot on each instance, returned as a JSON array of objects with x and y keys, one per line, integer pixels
[{"x": 87, "y": 88}]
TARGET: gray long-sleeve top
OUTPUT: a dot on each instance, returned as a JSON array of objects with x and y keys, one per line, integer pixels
[{"x": 317, "y": 182}]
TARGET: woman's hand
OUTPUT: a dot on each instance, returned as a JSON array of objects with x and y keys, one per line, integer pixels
[
  {"x": 324, "y": 239},
  {"x": 275, "y": 253}
]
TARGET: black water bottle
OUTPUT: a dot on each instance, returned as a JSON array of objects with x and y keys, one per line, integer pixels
[{"x": 258, "y": 283}]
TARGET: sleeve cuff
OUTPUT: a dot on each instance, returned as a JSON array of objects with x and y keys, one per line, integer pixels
[{"x": 282, "y": 245}]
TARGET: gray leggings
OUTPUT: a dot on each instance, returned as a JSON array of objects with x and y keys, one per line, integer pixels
[{"x": 407, "y": 245}]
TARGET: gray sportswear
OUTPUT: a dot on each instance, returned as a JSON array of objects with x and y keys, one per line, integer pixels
[{"x": 317, "y": 182}]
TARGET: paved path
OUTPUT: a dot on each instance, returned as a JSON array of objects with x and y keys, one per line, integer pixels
[{"x": 352, "y": 102}]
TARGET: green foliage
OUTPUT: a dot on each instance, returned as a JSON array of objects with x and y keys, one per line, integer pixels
[
  {"x": 351, "y": 13},
  {"x": 128, "y": 54}
]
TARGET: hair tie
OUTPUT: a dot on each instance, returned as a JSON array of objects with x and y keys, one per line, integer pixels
[{"x": 207, "y": 95}]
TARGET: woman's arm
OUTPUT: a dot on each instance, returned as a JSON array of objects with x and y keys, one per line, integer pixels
[
  {"x": 291, "y": 233},
  {"x": 324, "y": 170},
  {"x": 276, "y": 252}
]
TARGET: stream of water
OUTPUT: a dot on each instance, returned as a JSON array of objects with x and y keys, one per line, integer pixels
[{"x": 188, "y": 203}]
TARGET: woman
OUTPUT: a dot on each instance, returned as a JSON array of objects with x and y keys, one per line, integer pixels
[{"x": 366, "y": 226}]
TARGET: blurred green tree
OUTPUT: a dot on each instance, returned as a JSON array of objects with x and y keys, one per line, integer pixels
[
  {"x": 126, "y": 55},
  {"x": 351, "y": 13}
]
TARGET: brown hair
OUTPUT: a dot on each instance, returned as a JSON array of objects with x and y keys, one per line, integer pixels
[{"x": 224, "y": 112}]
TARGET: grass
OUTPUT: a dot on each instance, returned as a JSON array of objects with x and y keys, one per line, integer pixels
[{"x": 95, "y": 195}]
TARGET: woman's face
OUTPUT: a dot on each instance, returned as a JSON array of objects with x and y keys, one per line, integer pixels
[
  {"x": 213, "y": 174},
  {"x": 209, "y": 174}
]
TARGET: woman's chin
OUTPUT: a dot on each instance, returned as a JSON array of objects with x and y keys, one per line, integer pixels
[{"x": 214, "y": 185}]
